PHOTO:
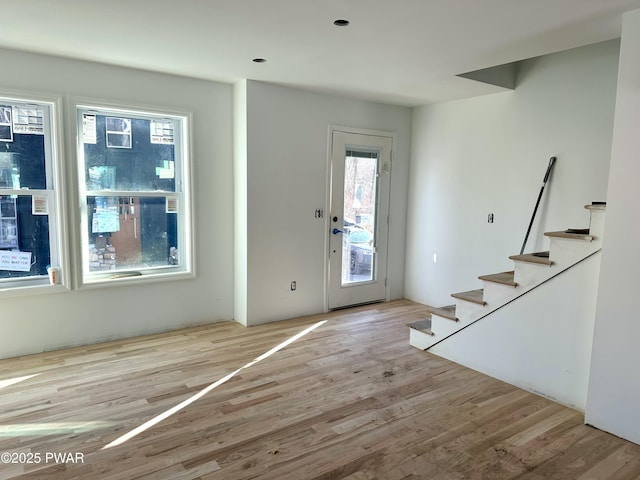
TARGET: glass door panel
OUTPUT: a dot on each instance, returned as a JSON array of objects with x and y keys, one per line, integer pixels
[{"x": 359, "y": 216}]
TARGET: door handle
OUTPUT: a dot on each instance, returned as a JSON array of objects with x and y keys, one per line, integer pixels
[{"x": 335, "y": 231}]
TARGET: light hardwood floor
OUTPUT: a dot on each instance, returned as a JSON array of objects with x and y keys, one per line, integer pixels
[{"x": 349, "y": 400}]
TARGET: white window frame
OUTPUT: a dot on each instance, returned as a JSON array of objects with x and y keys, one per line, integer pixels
[
  {"x": 54, "y": 194},
  {"x": 185, "y": 265}
]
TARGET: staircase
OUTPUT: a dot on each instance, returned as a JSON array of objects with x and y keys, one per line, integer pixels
[{"x": 567, "y": 248}]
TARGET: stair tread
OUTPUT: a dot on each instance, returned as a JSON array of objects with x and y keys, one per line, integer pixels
[
  {"x": 448, "y": 311},
  {"x": 505, "y": 278},
  {"x": 532, "y": 258},
  {"x": 565, "y": 234},
  {"x": 475, "y": 296},
  {"x": 423, "y": 326}
]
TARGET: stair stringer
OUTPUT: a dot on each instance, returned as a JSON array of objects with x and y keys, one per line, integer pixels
[{"x": 541, "y": 341}]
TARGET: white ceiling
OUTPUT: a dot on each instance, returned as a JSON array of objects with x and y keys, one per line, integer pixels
[{"x": 405, "y": 52}]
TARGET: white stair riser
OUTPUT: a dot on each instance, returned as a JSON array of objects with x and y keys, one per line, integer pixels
[
  {"x": 469, "y": 311},
  {"x": 442, "y": 326},
  {"x": 596, "y": 225},
  {"x": 566, "y": 251},
  {"x": 527, "y": 273},
  {"x": 420, "y": 339},
  {"x": 496, "y": 294}
]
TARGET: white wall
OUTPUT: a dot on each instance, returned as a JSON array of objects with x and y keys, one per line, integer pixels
[
  {"x": 287, "y": 181},
  {"x": 36, "y": 323},
  {"x": 614, "y": 388},
  {"x": 489, "y": 154},
  {"x": 548, "y": 352}
]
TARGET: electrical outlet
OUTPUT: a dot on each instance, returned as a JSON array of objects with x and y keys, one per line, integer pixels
[
  {"x": 293, "y": 286},
  {"x": 490, "y": 218}
]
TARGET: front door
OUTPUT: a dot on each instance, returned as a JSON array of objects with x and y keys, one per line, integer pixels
[{"x": 359, "y": 218}]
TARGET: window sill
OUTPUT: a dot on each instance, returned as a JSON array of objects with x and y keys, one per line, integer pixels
[
  {"x": 123, "y": 278},
  {"x": 35, "y": 287}
]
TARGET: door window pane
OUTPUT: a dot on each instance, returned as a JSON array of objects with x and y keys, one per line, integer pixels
[{"x": 360, "y": 189}]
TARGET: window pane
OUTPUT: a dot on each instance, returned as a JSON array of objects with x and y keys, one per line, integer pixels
[
  {"x": 360, "y": 190},
  {"x": 135, "y": 219},
  {"x": 24, "y": 238},
  {"x": 125, "y": 153},
  {"x": 28, "y": 240},
  {"x": 22, "y": 159},
  {"x": 128, "y": 233}
]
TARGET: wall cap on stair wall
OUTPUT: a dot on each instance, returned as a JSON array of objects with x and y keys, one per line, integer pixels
[{"x": 596, "y": 206}]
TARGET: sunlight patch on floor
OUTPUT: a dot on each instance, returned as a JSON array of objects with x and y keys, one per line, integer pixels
[
  {"x": 13, "y": 381},
  {"x": 204, "y": 391}
]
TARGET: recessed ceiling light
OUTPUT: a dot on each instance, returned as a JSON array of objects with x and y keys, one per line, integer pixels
[
  {"x": 259, "y": 60},
  {"x": 341, "y": 22}
]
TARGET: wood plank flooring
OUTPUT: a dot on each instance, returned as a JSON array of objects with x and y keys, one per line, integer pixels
[{"x": 349, "y": 400}]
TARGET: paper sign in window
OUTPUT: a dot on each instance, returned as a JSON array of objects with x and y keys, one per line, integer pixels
[
  {"x": 40, "y": 205},
  {"x": 172, "y": 205},
  {"x": 89, "y": 128},
  {"x": 6, "y": 126},
  {"x": 15, "y": 261},
  {"x": 162, "y": 133},
  {"x": 106, "y": 217},
  {"x": 28, "y": 119},
  {"x": 168, "y": 170},
  {"x": 118, "y": 132}
]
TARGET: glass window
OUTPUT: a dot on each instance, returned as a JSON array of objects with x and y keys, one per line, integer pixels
[
  {"x": 28, "y": 213},
  {"x": 134, "y": 189}
]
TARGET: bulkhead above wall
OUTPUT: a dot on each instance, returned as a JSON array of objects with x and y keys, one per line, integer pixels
[{"x": 501, "y": 75}]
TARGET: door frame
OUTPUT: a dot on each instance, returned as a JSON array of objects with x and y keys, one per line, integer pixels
[{"x": 327, "y": 217}]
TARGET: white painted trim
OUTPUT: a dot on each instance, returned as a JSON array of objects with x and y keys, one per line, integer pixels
[
  {"x": 56, "y": 172},
  {"x": 187, "y": 267}
]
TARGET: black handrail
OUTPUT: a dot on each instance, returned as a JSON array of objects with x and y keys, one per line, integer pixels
[{"x": 514, "y": 299}]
